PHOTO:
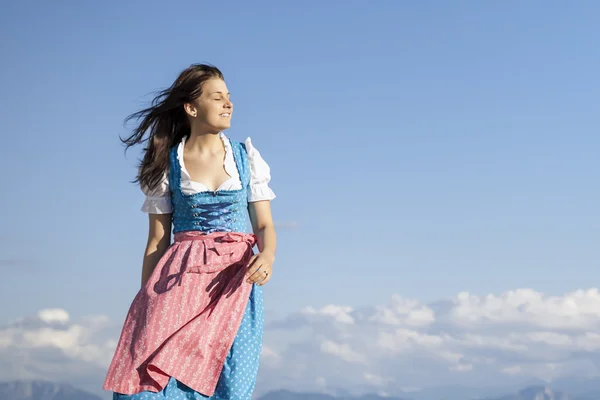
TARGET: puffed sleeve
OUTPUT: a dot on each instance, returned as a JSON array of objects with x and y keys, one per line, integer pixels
[
  {"x": 260, "y": 175},
  {"x": 158, "y": 200}
]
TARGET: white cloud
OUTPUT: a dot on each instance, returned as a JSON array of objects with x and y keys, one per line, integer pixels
[
  {"x": 342, "y": 351},
  {"x": 461, "y": 367},
  {"x": 54, "y": 315},
  {"x": 574, "y": 311},
  {"x": 403, "y": 312},
  {"x": 339, "y": 314},
  {"x": 509, "y": 337},
  {"x": 73, "y": 340},
  {"x": 269, "y": 357},
  {"x": 50, "y": 346},
  {"x": 375, "y": 380},
  {"x": 515, "y": 369},
  {"x": 518, "y": 335}
]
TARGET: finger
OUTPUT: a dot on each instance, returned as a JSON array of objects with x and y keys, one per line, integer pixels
[
  {"x": 255, "y": 273},
  {"x": 252, "y": 266},
  {"x": 262, "y": 274},
  {"x": 267, "y": 279},
  {"x": 266, "y": 272},
  {"x": 262, "y": 279},
  {"x": 251, "y": 261}
]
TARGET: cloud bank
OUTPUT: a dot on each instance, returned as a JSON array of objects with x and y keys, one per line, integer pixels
[{"x": 403, "y": 345}]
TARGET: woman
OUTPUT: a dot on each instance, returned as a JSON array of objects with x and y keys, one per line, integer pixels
[{"x": 194, "y": 330}]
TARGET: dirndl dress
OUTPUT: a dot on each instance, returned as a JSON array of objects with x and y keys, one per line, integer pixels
[{"x": 194, "y": 331}]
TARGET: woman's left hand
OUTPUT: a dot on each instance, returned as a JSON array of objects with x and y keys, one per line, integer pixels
[{"x": 260, "y": 268}]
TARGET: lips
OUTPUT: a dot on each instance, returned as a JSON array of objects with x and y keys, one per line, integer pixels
[{"x": 225, "y": 115}]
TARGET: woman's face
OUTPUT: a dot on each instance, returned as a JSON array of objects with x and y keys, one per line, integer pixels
[{"x": 213, "y": 108}]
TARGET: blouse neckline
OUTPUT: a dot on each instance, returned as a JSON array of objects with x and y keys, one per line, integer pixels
[{"x": 228, "y": 154}]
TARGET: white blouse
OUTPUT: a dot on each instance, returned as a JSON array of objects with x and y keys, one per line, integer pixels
[{"x": 158, "y": 201}]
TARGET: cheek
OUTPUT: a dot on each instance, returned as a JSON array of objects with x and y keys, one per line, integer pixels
[
  {"x": 209, "y": 110},
  {"x": 216, "y": 107}
]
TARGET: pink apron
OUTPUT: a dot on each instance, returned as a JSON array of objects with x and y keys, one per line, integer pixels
[{"x": 184, "y": 321}]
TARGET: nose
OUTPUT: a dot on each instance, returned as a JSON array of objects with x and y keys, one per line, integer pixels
[{"x": 228, "y": 104}]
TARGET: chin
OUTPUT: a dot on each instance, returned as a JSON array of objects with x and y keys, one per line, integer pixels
[{"x": 219, "y": 128}]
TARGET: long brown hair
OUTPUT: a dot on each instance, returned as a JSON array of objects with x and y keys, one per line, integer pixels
[{"x": 166, "y": 122}]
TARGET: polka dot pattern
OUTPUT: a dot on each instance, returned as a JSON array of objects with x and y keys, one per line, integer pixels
[
  {"x": 218, "y": 211},
  {"x": 240, "y": 370},
  {"x": 209, "y": 212}
]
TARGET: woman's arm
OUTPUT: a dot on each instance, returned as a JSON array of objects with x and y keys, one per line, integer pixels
[
  {"x": 262, "y": 226},
  {"x": 159, "y": 239},
  {"x": 261, "y": 264}
]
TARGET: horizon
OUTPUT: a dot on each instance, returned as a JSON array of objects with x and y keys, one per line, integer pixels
[{"x": 492, "y": 393}]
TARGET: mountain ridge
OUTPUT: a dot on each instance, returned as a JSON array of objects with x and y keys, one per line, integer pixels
[
  {"x": 48, "y": 390},
  {"x": 537, "y": 392},
  {"x": 42, "y": 390}
]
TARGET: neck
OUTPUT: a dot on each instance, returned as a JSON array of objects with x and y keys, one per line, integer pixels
[{"x": 204, "y": 142}]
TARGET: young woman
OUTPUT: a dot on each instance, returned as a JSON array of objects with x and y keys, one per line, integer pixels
[{"x": 194, "y": 330}]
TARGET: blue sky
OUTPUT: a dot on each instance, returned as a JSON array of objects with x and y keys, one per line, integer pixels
[{"x": 419, "y": 148}]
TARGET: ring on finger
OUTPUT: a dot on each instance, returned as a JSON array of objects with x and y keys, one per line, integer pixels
[{"x": 265, "y": 276}]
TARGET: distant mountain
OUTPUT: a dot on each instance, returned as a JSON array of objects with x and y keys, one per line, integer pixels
[
  {"x": 589, "y": 396},
  {"x": 41, "y": 390},
  {"x": 458, "y": 392},
  {"x": 586, "y": 388},
  {"x": 288, "y": 395},
  {"x": 537, "y": 393},
  {"x": 531, "y": 393}
]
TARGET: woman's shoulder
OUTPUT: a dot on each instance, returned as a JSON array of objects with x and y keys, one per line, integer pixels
[
  {"x": 247, "y": 144},
  {"x": 259, "y": 171}
]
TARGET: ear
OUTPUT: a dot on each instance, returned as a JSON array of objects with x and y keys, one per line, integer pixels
[{"x": 190, "y": 110}]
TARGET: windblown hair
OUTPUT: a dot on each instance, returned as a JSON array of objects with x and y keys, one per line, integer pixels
[{"x": 165, "y": 122}]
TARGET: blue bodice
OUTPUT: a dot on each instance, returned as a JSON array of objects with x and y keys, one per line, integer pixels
[{"x": 218, "y": 211}]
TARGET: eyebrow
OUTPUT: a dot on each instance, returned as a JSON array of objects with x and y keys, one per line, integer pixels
[{"x": 220, "y": 92}]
